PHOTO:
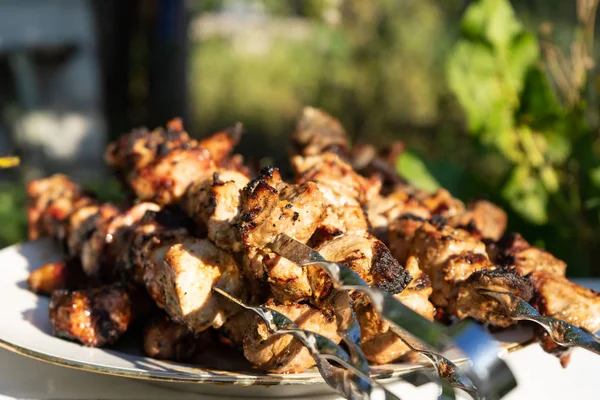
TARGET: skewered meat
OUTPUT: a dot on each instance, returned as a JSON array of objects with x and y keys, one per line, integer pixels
[
  {"x": 367, "y": 256},
  {"x": 215, "y": 203},
  {"x": 487, "y": 219},
  {"x": 165, "y": 340},
  {"x": 283, "y": 353},
  {"x": 384, "y": 210},
  {"x": 165, "y": 180},
  {"x": 50, "y": 202},
  {"x": 143, "y": 263},
  {"x": 443, "y": 204},
  {"x": 340, "y": 185},
  {"x": 380, "y": 344},
  {"x": 401, "y": 233},
  {"x": 270, "y": 207},
  {"x": 350, "y": 220},
  {"x": 317, "y": 132},
  {"x": 54, "y": 276},
  {"x": 192, "y": 269},
  {"x": 472, "y": 303},
  {"x": 439, "y": 251},
  {"x": 140, "y": 147},
  {"x": 515, "y": 251},
  {"x": 222, "y": 143},
  {"x": 557, "y": 297},
  {"x": 93, "y": 317}
]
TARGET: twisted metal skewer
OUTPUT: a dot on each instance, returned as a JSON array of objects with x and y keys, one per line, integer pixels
[
  {"x": 320, "y": 348},
  {"x": 489, "y": 374},
  {"x": 562, "y": 332}
]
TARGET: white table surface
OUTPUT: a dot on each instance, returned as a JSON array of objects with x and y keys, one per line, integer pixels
[{"x": 539, "y": 376}]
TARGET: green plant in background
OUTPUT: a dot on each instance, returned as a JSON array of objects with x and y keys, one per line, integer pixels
[{"x": 532, "y": 108}]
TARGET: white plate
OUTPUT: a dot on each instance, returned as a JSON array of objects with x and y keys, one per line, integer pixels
[{"x": 25, "y": 329}]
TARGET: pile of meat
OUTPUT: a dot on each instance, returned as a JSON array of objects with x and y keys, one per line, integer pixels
[{"x": 200, "y": 218}]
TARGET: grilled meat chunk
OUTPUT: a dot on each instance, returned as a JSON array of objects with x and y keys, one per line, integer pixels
[
  {"x": 222, "y": 143},
  {"x": 50, "y": 202},
  {"x": 192, "y": 269},
  {"x": 317, "y": 132},
  {"x": 340, "y": 185},
  {"x": 93, "y": 317},
  {"x": 557, "y": 297},
  {"x": 448, "y": 256},
  {"x": 288, "y": 281},
  {"x": 379, "y": 343},
  {"x": 486, "y": 218},
  {"x": 166, "y": 179},
  {"x": 442, "y": 203},
  {"x": 140, "y": 147},
  {"x": 55, "y": 276},
  {"x": 283, "y": 353},
  {"x": 472, "y": 303},
  {"x": 215, "y": 203},
  {"x": 367, "y": 256},
  {"x": 270, "y": 207},
  {"x": 165, "y": 340},
  {"x": 350, "y": 220},
  {"x": 143, "y": 261},
  {"x": 401, "y": 233},
  {"x": 515, "y": 251},
  {"x": 384, "y": 210}
]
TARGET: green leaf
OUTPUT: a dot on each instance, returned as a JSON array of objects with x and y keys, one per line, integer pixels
[
  {"x": 413, "y": 169},
  {"x": 521, "y": 53},
  {"x": 539, "y": 104},
  {"x": 595, "y": 176},
  {"x": 526, "y": 195},
  {"x": 491, "y": 20}
]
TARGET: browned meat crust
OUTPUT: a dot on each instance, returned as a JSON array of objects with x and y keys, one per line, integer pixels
[
  {"x": 55, "y": 276},
  {"x": 165, "y": 340},
  {"x": 471, "y": 303},
  {"x": 93, "y": 317},
  {"x": 283, "y": 353}
]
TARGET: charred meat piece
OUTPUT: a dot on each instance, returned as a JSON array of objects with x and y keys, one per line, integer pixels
[
  {"x": 140, "y": 147},
  {"x": 443, "y": 204},
  {"x": 401, "y": 233},
  {"x": 384, "y": 210},
  {"x": 380, "y": 344},
  {"x": 485, "y": 218},
  {"x": 165, "y": 340},
  {"x": 93, "y": 317},
  {"x": 50, "y": 202},
  {"x": 367, "y": 256},
  {"x": 472, "y": 303},
  {"x": 288, "y": 281},
  {"x": 222, "y": 143},
  {"x": 192, "y": 269},
  {"x": 557, "y": 297},
  {"x": 215, "y": 203},
  {"x": 270, "y": 207},
  {"x": 107, "y": 245},
  {"x": 435, "y": 245},
  {"x": 340, "y": 185},
  {"x": 317, "y": 132},
  {"x": 166, "y": 179},
  {"x": 350, "y": 220},
  {"x": 515, "y": 251},
  {"x": 55, "y": 276},
  {"x": 283, "y": 353}
]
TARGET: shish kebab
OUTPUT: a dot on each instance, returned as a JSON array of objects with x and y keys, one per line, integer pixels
[
  {"x": 348, "y": 208},
  {"x": 72, "y": 248}
]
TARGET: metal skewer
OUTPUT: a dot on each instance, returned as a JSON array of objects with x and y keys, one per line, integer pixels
[
  {"x": 562, "y": 332},
  {"x": 320, "y": 348},
  {"x": 489, "y": 374}
]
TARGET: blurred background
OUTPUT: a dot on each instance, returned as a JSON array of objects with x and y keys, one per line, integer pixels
[{"x": 490, "y": 98}]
